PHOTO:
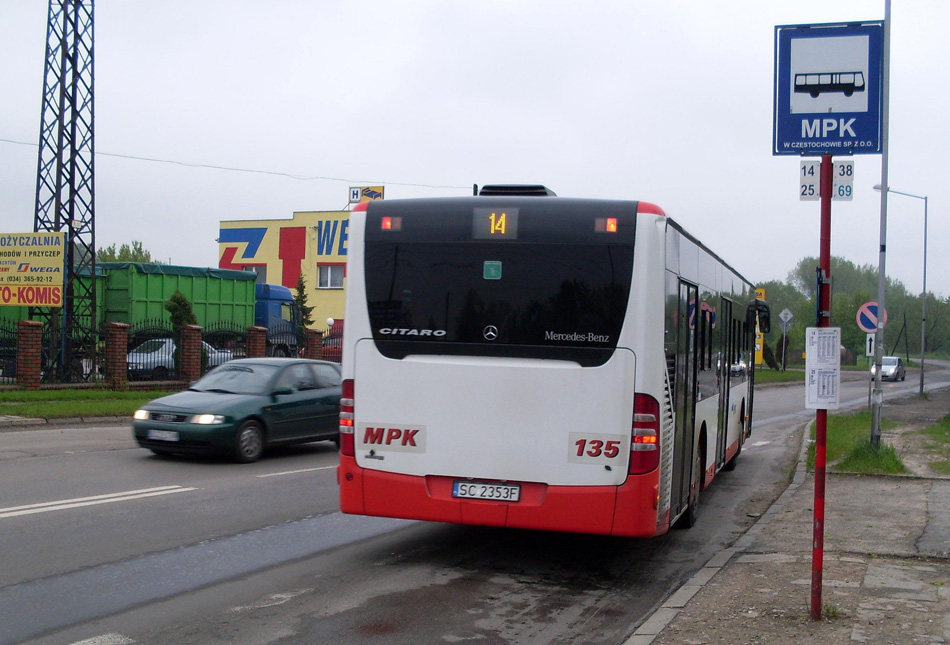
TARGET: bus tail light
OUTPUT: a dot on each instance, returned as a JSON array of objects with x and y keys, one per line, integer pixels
[
  {"x": 347, "y": 437},
  {"x": 645, "y": 436}
]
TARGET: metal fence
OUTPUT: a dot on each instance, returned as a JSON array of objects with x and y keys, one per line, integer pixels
[
  {"x": 86, "y": 362},
  {"x": 229, "y": 336},
  {"x": 332, "y": 345},
  {"x": 152, "y": 351},
  {"x": 283, "y": 340},
  {"x": 223, "y": 341},
  {"x": 8, "y": 346}
]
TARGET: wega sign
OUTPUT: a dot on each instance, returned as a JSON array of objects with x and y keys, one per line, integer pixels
[{"x": 31, "y": 269}]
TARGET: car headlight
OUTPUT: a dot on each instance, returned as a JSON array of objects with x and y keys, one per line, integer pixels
[
  {"x": 207, "y": 419},
  {"x": 140, "y": 415}
]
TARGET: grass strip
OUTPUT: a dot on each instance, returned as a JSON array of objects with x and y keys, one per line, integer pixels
[
  {"x": 59, "y": 404},
  {"x": 865, "y": 458},
  {"x": 765, "y": 375},
  {"x": 848, "y": 446}
]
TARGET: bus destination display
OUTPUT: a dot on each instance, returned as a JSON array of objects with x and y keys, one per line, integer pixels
[{"x": 495, "y": 224}]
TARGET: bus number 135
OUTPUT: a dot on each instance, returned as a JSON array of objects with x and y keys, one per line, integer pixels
[{"x": 597, "y": 448}]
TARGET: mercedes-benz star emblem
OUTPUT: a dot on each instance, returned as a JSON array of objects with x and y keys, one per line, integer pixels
[{"x": 490, "y": 332}]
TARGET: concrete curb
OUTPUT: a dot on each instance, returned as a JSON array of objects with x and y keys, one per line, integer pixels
[
  {"x": 647, "y": 632},
  {"x": 14, "y": 424}
]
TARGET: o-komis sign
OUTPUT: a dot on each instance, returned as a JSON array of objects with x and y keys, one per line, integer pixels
[{"x": 31, "y": 269}]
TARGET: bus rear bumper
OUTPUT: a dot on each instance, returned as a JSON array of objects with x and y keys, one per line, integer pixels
[{"x": 626, "y": 510}]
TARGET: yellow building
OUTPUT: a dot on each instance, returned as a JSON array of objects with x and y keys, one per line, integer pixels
[{"x": 313, "y": 243}]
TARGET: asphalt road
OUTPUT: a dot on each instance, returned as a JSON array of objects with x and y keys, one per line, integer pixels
[{"x": 101, "y": 540}]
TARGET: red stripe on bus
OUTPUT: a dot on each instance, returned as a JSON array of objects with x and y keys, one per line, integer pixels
[
  {"x": 647, "y": 207},
  {"x": 626, "y": 510}
]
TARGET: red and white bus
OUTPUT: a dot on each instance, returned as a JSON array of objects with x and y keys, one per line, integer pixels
[{"x": 524, "y": 360}]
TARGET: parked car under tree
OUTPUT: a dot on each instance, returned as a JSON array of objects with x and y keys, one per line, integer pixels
[{"x": 155, "y": 359}]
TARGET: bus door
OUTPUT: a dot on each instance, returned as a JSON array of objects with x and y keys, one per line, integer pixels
[
  {"x": 726, "y": 351},
  {"x": 684, "y": 393}
]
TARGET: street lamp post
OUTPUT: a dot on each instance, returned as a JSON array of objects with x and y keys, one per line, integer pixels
[{"x": 923, "y": 304}]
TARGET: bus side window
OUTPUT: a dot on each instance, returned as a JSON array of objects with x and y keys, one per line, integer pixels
[{"x": 701, "y": 323}]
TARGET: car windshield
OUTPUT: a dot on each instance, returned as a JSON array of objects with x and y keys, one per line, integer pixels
[
  {"x": 237, "y": 379},
  {"x": 888, "y": 360},
  {"x": 150, "y": 346}
]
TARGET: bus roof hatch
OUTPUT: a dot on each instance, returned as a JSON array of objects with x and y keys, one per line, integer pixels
[{"x": 520, "y": 190}]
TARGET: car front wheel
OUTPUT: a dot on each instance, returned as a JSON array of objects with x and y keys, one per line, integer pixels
[{"x": 249, "y": 443}]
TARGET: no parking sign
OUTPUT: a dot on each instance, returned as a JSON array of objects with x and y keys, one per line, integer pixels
[{"x": 867, "y": 317}]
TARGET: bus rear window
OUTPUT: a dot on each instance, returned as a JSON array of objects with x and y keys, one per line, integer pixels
[{"x": 540, "y": 296}]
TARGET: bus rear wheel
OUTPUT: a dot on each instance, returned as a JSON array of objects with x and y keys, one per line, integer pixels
[
  {"x": 692, "y": 513},
  {"x": 688, "y": 519}
]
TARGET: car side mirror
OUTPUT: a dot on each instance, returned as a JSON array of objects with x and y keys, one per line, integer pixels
[{"x": 283, "y": 389}]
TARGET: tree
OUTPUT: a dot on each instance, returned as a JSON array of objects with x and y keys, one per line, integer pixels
[
  {"x": 306, "y": 312},
  {"x": 181, "y": 312},
  {"x": 852, "y": 286},
  {"x": 781, "y": 296},
  {"x": 135, "y": 252}
]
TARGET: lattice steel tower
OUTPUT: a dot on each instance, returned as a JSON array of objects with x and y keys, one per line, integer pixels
[{"x": 65, "y": 187}]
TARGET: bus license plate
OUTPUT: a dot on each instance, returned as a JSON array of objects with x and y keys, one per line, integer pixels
[
  {"x": 486, "y": 490},
  {"x": 163, "y": 435}
]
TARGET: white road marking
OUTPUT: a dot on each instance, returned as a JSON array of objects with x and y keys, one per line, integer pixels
[
  {"x": 106, "y": 639},
  {"x": 15, "y": 511},
  {"x": 273, "y": 600},
  {"x": 294, "y": 472},
  {"x": 759, "y": 443}
]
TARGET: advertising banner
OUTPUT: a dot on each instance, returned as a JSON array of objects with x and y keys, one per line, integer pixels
[{"x": 31, "y": 269}]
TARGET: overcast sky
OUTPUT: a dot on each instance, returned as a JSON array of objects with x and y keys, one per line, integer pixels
[{"x": 668, "y": 102}]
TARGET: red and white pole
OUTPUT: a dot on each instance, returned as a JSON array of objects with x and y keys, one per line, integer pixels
[{"x": 821, "y": 416}]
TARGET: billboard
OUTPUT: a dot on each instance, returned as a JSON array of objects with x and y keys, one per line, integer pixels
[{"x": 31, "y": 269}]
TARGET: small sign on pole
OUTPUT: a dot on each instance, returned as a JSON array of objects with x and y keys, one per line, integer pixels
[
  {"x": 869, "y": 345},
  {"x": 366, "y": 193},
  {"x": 822, "y": 367},
  {"x": 809, "y": 184},
  {"x": 843, "y": 180}
]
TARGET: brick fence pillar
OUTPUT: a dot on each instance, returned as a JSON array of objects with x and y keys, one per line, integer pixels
[
  {"x": 29, "y": 345},
  {"x": 313, "y": 344},
  {"x": 256, "y": 342},
  {"x": 117, "y": 349},
  {"x": 189, "y": 367}
]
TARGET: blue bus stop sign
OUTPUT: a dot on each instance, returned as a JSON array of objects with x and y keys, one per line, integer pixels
[{"x": 828, "y": 89}]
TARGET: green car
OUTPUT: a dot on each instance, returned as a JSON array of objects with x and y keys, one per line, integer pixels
[{"x": 244, "y": 406}]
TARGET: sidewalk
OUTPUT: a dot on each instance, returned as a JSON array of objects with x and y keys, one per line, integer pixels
[{"x": 886, "y": 574}]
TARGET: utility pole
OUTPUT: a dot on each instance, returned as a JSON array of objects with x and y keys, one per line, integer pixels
[
  {"x": 877, "y": 396},
  {"x": 65, "y": 187}
]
